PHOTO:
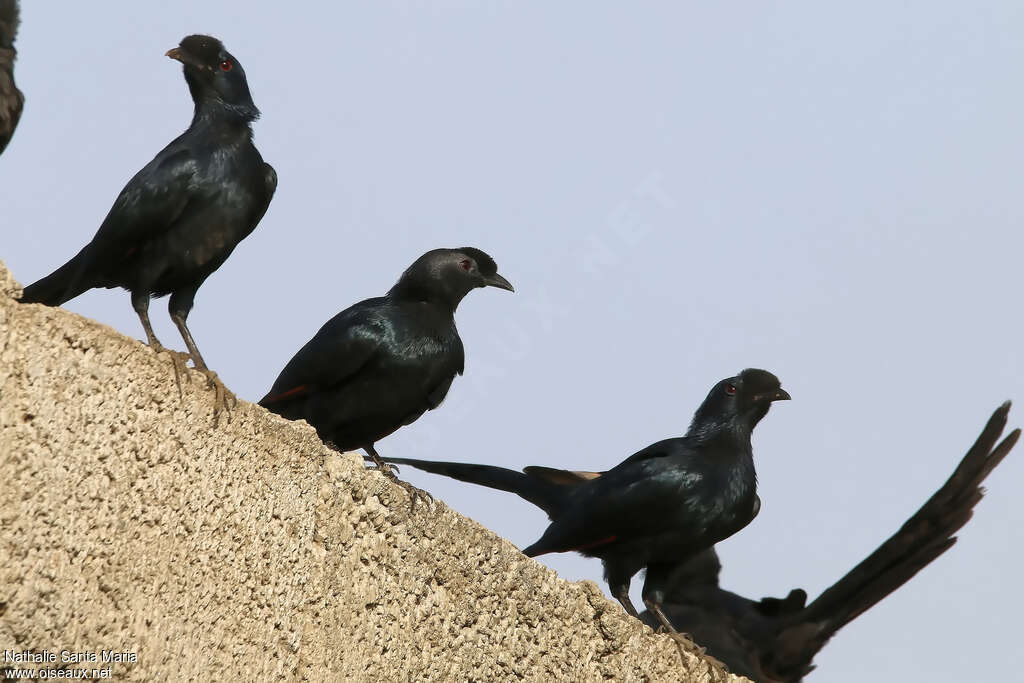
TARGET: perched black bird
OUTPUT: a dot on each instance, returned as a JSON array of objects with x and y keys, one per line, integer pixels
[
  {"x": 183, "y": 214},
  {"x": 776, "y": 639},
  {"x": 11, "y": 99},
  {"x": 380, "y": 364},
  {"x": 669, "y": 501}
]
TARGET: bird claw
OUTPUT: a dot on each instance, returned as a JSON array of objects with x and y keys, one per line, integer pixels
[
  {"x": 179, "y": 361},
  {"x": 415, "y": 493},
  {"x": 224, "y": 399},
  {"x": 715, "y": 666},
  {"x": 685, "y": 643},
  {"x": 387, "y": 469}
]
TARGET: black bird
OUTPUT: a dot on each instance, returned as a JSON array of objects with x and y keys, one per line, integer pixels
[
  {"x": 183, "y": 214},
  {"x": 381, "y": 363},
  {"x": 669, "y": 501},
  {"x": 11, "y": 99},
  {"x": 776, "y": 639}
]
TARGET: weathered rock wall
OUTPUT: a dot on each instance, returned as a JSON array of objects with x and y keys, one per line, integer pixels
[{"x": 249, "y": 551}]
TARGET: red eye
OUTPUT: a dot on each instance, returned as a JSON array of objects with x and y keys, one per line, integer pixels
[
  {"x": 730, "y": 389},
  {"x": 466, "y": 264},
  {"x": 226, "y": 65}
]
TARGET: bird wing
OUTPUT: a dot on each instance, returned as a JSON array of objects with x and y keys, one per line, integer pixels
[
  {"x": 343, "y": 345},
  {"x": 152, "y": 201},
  {"x": 628, "y": 500},
  {"x": 270, "y": 186},
  {"x": 270, "y": 180},
  {"x": 921, "y": 539},
  {"x": 654, "y": 451}
]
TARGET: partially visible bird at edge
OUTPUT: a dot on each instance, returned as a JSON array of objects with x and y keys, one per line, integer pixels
[{"x": 12, "y": 101}]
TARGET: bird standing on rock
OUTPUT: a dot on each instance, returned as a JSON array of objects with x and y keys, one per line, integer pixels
[
  {"x": 383, "y": 362},
  {"x": 665, "y": 503},
  {"x": 776, "y": 639},
  {"x": 183, "y": 214}
]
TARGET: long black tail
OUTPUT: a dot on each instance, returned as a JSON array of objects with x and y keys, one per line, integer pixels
[
  {"x": 549, "y": 496},
  {"x": 61, "y": 285},
  {"x": 925, "y": 536}
]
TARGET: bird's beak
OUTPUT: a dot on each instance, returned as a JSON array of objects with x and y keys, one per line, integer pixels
[
  {"x": 182, "y": 56},
  {"x": 499, "y": 282},
  {"x": 779, "y": 394}
]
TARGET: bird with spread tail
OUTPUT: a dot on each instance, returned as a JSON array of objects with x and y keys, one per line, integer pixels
[
  {"x": 383, "y": 362},
  {"x": 180, "y": 217},
  {"x": 669, "y": 501},
  {"x": 776, "y": 639}
]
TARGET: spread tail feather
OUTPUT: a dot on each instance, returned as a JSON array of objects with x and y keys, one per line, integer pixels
[{"x": 927, "y": 534}]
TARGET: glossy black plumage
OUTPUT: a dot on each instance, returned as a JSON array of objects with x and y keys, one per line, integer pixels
[
  {"x": 776, "y": 639},
  {"x": 181, "y": 216},
  {"x": 670, "y": 500},
  {"x": 11, "y": 99},
  {"x": 383, "y": 362}
]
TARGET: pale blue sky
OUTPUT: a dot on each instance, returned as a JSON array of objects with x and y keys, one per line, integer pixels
[{"x": 677, "y": 191}]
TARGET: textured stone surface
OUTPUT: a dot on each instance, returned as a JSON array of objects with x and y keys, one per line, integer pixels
[{"x": 249, "y": 551}]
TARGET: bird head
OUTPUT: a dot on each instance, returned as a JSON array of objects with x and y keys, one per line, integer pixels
[
  {"x": 448, "y": 275},
  {"x": 215, "y": 78},
  {"x": 739, "y": 401}
]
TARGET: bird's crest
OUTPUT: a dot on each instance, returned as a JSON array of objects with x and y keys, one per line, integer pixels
[
  {"x": 484, "y": 263},
  {"x": 206, "y": 49}
]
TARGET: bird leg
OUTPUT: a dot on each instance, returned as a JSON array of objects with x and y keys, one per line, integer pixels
[
  {"x": 621, "y": 593},
  {"x": 224, "y": 399},
  {"x": 684, "y": 642},
  {"x": 656, "y": 610},
  {"x": 140, "y": 302},
  {"x": 388, "y": 470}
]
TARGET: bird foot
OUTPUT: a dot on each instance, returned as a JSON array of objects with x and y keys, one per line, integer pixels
[
  {"x": 415, "y": 493},
  {"x": 686, "y": 644},
  {"x": 224, "y": 399},
  {"x": 179, "y": 361}
]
